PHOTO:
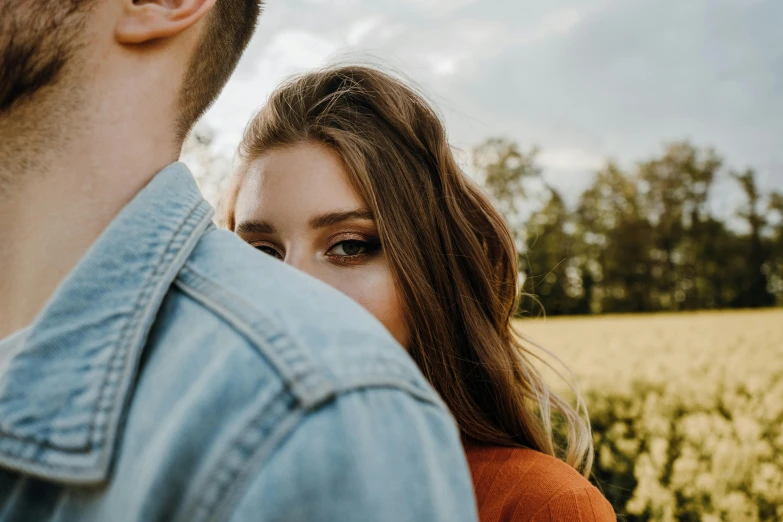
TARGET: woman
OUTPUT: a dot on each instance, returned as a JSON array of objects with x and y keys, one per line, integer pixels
[{"x": 346, "y": 174}]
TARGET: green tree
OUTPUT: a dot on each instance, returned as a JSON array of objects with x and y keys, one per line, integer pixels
[
  {"x": 754, "y": 291},
  {"x": 673, "y": 193},
  {"x": 775, "y": 213},
  {"x": 553, "y": 275},
  {"x": 505, "y": 168},
  {"x": 640, "y": 239},
  {"x": 615, "y": 245}
]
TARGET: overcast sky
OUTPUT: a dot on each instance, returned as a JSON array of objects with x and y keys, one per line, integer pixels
[{"x": 585, "y": 80}]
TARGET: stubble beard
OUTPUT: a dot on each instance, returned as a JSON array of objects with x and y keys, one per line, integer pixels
[
  {"x": 38, "y": 38},
  {"x": 39, "y": 46}
]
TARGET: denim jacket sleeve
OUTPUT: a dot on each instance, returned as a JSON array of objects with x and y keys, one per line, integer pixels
[{"x": 386, "y": 455}]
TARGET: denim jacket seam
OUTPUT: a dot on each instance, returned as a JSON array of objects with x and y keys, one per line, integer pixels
[
  {"x": 267, "y": 345},
  {"x": 127, "y": 333},
  {"x": 226, "y": 480},
  {"x": 131, "y": 328},
  {"x": 369, "y": 380},
  {"x": 233, "y": 489}
]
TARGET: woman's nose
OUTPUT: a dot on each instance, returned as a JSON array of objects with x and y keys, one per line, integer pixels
[{"x": 300, "y": 260}]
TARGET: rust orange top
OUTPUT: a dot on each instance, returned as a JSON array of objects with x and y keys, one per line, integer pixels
[{"x": 524, "y": 485}]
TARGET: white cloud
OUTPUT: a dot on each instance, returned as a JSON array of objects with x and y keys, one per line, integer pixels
[
  {"x": 387, "y": 32},
  {"x": 554, "y": 23},
  {"x": 444, "y": 64},
  {"x": 358, "y": 31},
  {"x": 440, "y": 7},
  {"x": 289, "y": 52},
  {"x": 570, "y": 158}
]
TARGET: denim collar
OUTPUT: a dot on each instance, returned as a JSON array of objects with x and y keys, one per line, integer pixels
[{"x": 64, "y": 396}]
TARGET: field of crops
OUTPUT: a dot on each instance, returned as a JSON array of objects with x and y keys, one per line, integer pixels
[{"x": 687, "y": 410}]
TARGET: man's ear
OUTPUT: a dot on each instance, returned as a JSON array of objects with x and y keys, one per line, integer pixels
[{"x": 146, "y": 20}]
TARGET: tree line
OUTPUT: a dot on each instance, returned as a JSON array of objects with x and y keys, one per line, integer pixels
[{"x": 640, "y": 239}]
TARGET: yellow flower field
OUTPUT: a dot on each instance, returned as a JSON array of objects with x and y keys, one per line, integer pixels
[{"x": 687, "y": 410}]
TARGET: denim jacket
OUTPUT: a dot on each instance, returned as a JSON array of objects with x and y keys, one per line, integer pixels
[{"x": 178, "y": 375}]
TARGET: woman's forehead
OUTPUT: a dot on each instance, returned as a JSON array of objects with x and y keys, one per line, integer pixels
[{"x": 298, "y": 180}]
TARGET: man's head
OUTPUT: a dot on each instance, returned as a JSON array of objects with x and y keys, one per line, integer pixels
[{"x": 46, "y": 45}]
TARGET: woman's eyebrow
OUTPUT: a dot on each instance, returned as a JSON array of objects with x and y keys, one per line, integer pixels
[
  {"x": 332, "y": 218},
  {"x": 254, "y": 227}
]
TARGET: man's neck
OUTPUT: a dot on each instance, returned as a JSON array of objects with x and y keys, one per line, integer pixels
[{"x": 64, "y": 175}]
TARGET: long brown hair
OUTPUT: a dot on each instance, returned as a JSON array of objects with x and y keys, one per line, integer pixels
[{"x": 451, "y": 254}]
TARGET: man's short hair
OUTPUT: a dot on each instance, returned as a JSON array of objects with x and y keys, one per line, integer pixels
[{"x": 229, "y": 26}]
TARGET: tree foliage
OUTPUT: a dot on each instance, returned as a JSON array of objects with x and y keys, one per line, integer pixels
[
  {"x": 641, "y": 239},
  {"x": 506, "y": 168}
]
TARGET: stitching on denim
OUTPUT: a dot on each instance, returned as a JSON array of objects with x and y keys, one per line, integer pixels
[
  {"x": 265, "y": 344},
  {"x": 185, "y": 229},
  {"x": 278, "y": 415},
  {"x": 233, "y": 490},
  {"x": 189, "y": 281},
  {"x": 258, "y": 457},
  {"x": 123, "y": 339}
]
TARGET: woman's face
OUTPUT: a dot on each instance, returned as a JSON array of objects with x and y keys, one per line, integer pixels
[{"x": 296, "y": 204}]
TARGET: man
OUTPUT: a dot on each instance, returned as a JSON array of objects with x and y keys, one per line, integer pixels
[{"x": 153, "y": 368}]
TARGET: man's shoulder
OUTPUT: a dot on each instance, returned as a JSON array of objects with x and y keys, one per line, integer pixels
[
  {"x": 318, "y": 341},
  {"x": 244, "y": 353}
]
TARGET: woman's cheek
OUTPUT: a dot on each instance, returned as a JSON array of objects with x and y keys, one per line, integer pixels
[{"x": 372, "y": 287}]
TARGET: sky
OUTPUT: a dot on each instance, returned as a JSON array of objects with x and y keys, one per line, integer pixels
[{"x": 583, "y": 80}]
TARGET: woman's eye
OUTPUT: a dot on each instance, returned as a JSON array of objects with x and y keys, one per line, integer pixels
[
  {"x": 268, "y": 250},
  {"x": 348, "y": 248}
]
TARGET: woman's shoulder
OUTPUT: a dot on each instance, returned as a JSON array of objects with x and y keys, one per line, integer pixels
[{"x": 520, "y": 484}]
